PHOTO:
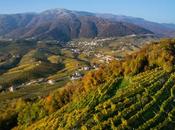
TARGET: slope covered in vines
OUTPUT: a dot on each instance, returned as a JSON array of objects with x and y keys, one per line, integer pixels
[{"x": 137, "y": 93}]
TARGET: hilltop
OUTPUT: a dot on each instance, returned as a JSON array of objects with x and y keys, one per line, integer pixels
[{"x": 65, "y": 25}]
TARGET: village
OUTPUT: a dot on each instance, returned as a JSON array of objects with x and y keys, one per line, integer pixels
[
  {"x": 93, "y": 49},
  {"x": 78, "y": 74}
]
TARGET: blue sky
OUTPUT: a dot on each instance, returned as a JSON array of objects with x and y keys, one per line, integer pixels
[{"x": 154, "y": 10}]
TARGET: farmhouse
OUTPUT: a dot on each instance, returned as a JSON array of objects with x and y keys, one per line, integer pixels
[
  {"x": 51, "y": 82},
  {"x": 76, "y": 75},
  {"x": 12, "y": 88}
]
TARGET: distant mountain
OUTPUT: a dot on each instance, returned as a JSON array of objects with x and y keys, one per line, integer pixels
[
  {"x": 171, "y": 26},
  {"x": 9, "y": 23},
  {"x": 164, "y": 30},
  {"x": 64, "y": 25}
]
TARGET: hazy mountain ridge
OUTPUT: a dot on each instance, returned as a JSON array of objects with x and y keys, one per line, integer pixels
[
  {"x": 9, "y": 23},
  {"x": 161, "y": 29},
  {"x": 169, "y": 25},
  {"x": 64, "y": 25}
]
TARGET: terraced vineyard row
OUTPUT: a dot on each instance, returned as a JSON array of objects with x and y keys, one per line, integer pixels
[{"x": 148, "y": 102}]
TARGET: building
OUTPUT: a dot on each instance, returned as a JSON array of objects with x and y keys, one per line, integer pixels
[
  {"x": 31, "y": 82},
  {"x": 40, "y": 80},
  {"x": 76, "y": 75},
  {"x": 12, "y": 89},
  {"x": 51, "y": 82},
  {"x": 86, "y": 68}
]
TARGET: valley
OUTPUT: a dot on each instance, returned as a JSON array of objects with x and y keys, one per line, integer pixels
[
  {"x": 42, "y": 67},
  {"x": 77, "y": 70},
  {"x": 136, "y": 91},
  {"x": 49, "y": 61}
]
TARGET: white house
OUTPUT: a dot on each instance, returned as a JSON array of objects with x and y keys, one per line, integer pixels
[
  {"x": 51, "y": 82},
  {"x": 31, "y": 82},
  {"x": 40, "y": 80},
  {"x": 76, "y": 75},
  {"x": 86, "y": 68},
  {"x": 12, "y": 88}
]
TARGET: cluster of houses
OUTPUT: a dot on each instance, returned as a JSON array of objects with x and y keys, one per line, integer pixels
[
  {"x": 16, "y": 56},
  {"x": 78, "y": 74},
  {"x": 94, "y": 42},
  {"x": 87, "y": 45},
  {"x": 75, "y": 76},
  {"x": 104, "y": 59},
  {"x": 85, "y": 68},
  {"x": 76, "y": 51},
  {"x": 107, "y": 58}
]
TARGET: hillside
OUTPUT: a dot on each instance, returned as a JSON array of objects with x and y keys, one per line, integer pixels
[
  {"x": 161, "y": 29},
  {"x": 136, "y": 92},
  {"x": 34, "y": 62},
  {"x": 63, "y": 25},
  {"x": 142, "y": 102}
]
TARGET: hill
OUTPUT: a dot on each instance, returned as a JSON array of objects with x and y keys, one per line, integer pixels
[
  {"x": 63, "y": 25},
  {"x": 31, "y": 60},
  {"x": 137, "y": 92},
  {"x": 161, "y": 29}
]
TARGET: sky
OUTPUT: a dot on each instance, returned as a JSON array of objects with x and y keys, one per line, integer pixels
[{"x": 162, "y": 11}]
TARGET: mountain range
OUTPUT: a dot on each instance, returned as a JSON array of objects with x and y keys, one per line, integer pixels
[
  {"x": 64, "y": 25},
  {"x": 161, "y": 29}
]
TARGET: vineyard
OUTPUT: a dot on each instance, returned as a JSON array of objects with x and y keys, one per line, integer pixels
[
  {"x": 136, "y": 93},
  {"x": 146, "y": 103}
]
